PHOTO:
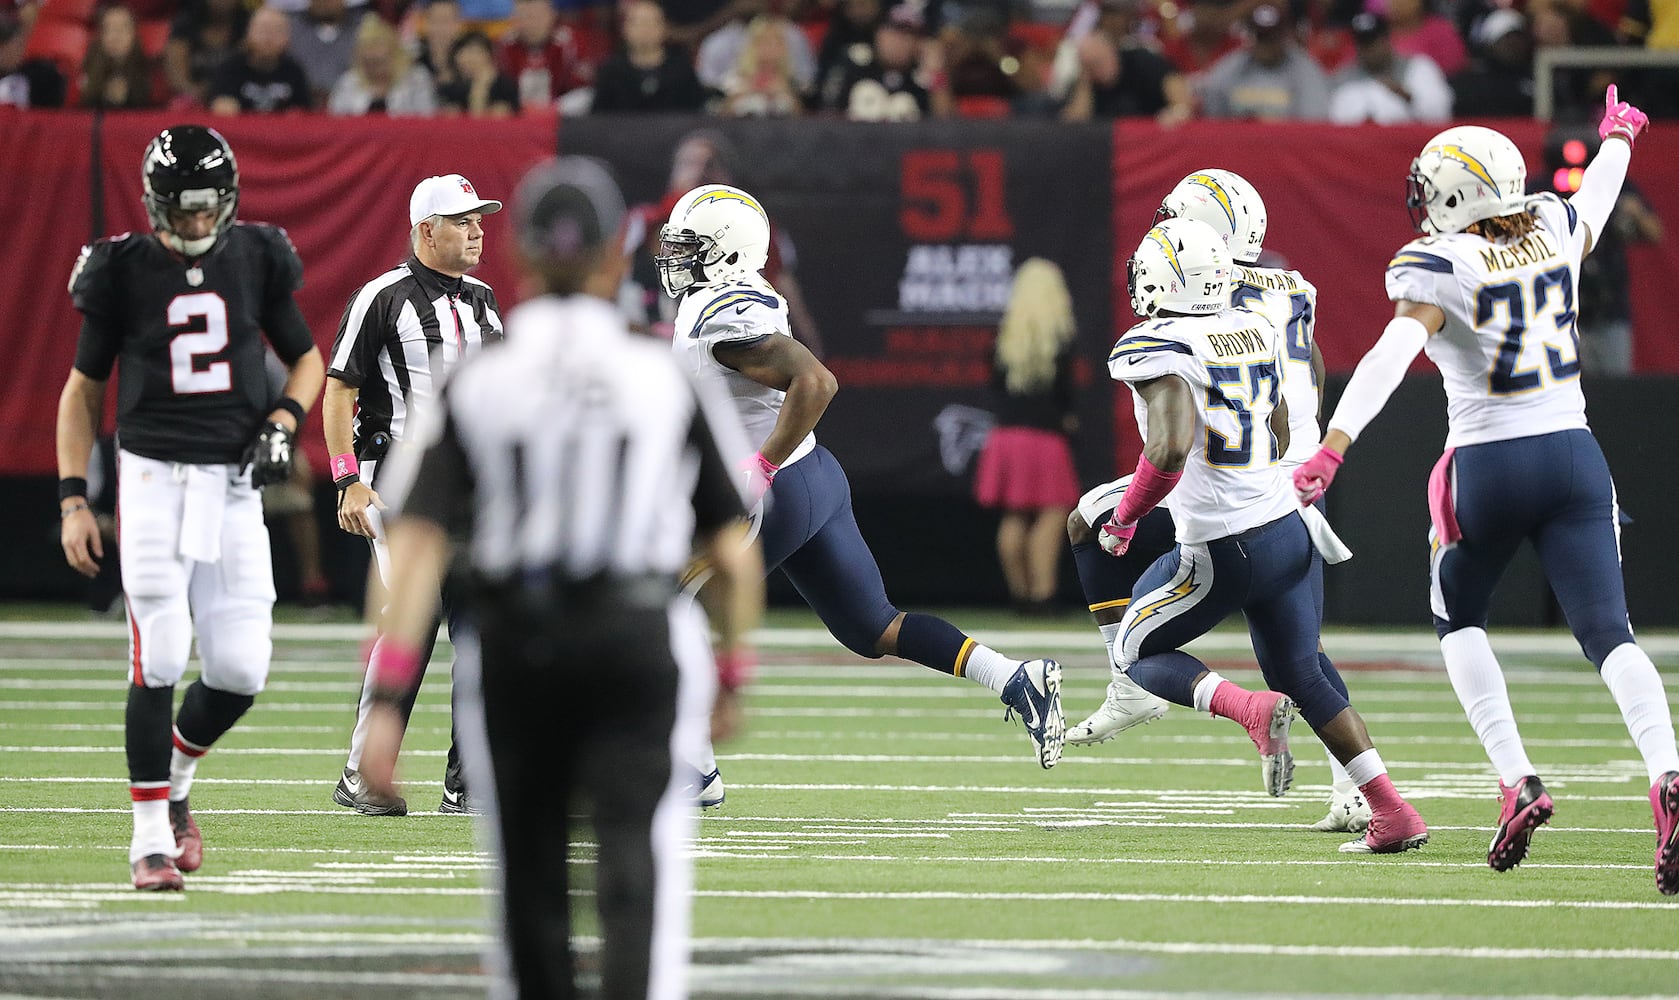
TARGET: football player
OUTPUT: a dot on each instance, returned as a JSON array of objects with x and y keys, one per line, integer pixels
[
  {"x": 1210, "y": 381},
  {"x": 1489, "y": 295},
  {"x": 1229, "y": 204},
  {"x": 732, "y": 330},
  {"x": 182, "y": 311}
]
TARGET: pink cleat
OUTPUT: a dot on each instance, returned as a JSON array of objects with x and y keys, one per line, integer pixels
[
  {"x": 1266, "y": 715},
  {"x": 1664, "y": 802},
  {"x": 1391, "y": 831},
  {"x": 187, "y": 838},
  {"x": 1526, "y": 806}
]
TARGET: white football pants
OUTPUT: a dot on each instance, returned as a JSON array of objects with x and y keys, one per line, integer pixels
[{"x": 194, "y": 551}]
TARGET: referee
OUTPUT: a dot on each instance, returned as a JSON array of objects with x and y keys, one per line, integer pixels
[
  {"x": 401, "y": 334},
  {"x": 577, "y": 469}
]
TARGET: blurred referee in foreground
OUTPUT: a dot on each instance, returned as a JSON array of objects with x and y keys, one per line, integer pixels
[{"x": 576, "y": 470}]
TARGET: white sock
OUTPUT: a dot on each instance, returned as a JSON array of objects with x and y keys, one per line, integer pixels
[
  {"x": 707, "y": 761},
  {"x": 181, "y": 769},
  {"x": 1338, "y": 775},
  {"x": 989, "y": 667},
  {"x": 152, "y": 832},
  {"x": 1638, "y": 690},
  {"x": 1479, "y": 684},
  {"x": 182, "y": 764},
  {"x": 1110, "y": 634},
  {"x": 1365, "y": 768},
  {"x": 1204, "y": 691}
]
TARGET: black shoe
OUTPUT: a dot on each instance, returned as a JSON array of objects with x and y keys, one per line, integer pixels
[
  {"x": 353, "y": 793},
  {"x": 457, "y": 801}
]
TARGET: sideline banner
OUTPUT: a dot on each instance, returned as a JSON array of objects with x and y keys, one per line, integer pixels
[{"x": 903, "y": 242}]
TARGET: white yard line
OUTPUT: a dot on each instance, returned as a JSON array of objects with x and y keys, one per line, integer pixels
[{"x": 1341, "y": 643}]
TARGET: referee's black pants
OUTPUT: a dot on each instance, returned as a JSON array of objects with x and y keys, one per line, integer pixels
[{"x": 578, "y": 713}]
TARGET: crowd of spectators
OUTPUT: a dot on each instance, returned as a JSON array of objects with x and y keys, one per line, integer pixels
[{"x": 1347, "y": 61}]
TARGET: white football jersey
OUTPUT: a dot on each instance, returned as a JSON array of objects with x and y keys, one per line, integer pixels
[
  {"x": 739, "y": 312},
  {"x": 1509, "y": 351},
  {"x": 1233, "y": 362},
  {"x": 1290, "y": 302}
]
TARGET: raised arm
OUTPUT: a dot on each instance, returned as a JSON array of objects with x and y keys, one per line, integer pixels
[{"x": 1600, "y": 186}]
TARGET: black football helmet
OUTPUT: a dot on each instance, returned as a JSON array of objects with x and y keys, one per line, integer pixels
[{"x": 190, "y": 168}]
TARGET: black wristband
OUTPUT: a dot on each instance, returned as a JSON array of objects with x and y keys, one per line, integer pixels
[
  {"x": 292, "y": 407},
  {"x": 71, "y": 486},
  {"x": 344, "y": 482}
]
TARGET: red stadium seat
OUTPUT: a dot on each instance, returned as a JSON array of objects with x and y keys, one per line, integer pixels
[
  {"x": 982, "y": 107},
  {"x": 66, "y": 11},
  {"x": 63, "y": 42},
  {"x": 1033, "y": 35},
  {"x": 153, "y": 36},
  {"x": 814, "y": 31}
]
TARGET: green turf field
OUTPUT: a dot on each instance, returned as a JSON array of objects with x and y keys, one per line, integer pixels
[{"x": 886, "y": 834}]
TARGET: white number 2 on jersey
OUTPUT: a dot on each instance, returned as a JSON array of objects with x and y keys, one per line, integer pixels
[{"x": 185, "y": 347}]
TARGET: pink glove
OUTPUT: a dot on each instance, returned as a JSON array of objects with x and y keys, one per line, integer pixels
[
  {"x": 1621, "y": 118},
  {"x": 760, "y": 473},
  {"x": 1116, "y": 538},
  {"x": 1312, "y": 478}
]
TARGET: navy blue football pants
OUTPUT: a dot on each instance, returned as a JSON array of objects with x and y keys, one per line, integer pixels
[{"x": 1553, "y": 490}]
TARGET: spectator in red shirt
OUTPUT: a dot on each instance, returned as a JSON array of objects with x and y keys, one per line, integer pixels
[
  {"x": 541, "y": 56},
  {"x": 1201, "y": 36}
]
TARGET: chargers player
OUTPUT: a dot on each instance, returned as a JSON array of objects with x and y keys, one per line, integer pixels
[
  {"x": 1489, "y": 296},
  {"x": 184, "y": 309},
  {"x": 1234, "y": 209},
  {"x": 732, "y": 330},
  {"x": 1210, "y": 379}
]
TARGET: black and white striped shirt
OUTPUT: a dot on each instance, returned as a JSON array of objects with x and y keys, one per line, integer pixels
[
  {"x": 401, "y": 334},
  {"x": 574, "y": 451}
]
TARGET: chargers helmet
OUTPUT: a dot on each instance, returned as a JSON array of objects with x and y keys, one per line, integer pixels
[
  {"x": 1465, "y": 174},
  {"x": 1224, "y": 200},
  {"x": 190, "y": 168},
  {"x": 1183, "y": 266},
  {"x": 716, "y": 233}
]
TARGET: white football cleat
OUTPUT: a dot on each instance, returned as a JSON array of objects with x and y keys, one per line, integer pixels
[
  {"x": 1127, "y": 705},
  {"x": 1348, "y": 813},
  {"x": 711, "y": 792}
]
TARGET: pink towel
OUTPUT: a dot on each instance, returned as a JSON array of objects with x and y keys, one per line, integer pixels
[{"x": 1440, "y": 508}]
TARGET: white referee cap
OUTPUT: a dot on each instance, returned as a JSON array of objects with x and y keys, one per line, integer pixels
[{"x": 449, "y": 194}]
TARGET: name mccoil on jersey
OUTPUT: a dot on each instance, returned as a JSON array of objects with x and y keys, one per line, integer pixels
[
  {"x": 187, "y": 341},
  {"x": 1509, "y": 351}
]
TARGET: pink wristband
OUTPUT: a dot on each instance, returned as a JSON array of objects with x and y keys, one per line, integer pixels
[
  {"x": 344, "y": 465},
  {"x": 734, "y": 667},
  {"x": 767, "y": 467},
  {"x": 1149, "y": 486},
  {"x": 393, "y": 663}
]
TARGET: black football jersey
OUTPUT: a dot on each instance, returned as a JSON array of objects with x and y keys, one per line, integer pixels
[{"x": 187, "y": 337}]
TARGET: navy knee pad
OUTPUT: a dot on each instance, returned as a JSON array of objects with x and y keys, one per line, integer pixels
[
  {"x": 1332, "y": 675},
  {"x": 862, "y": 637},
  {"x": 1598, "y": 642},
  {"x": 1317, "y": 699},
  {"x": 1168, "y": 675}
]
